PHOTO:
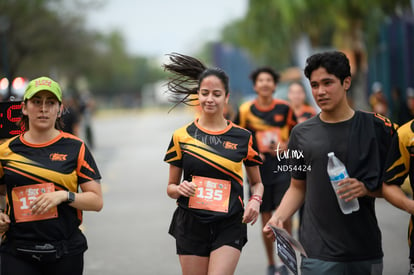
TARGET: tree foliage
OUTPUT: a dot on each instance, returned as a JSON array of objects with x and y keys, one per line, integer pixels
[
  {"x": 38, "y": 37},
  {"x": 271, "y": 27},
  {"x": 117, "y": 71},
  {"x": 49, "y": 37}
]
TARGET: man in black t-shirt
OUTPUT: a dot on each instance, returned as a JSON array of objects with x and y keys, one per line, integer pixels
[{"x": 334, "y": 242}]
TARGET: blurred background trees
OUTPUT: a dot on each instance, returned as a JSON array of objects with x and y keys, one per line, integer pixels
[
  {"x": 275, "y": 33},
  {"x": 49, "y": 37},
  {"x": 270, "y": 30}
]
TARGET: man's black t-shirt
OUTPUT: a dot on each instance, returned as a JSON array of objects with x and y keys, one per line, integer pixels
[{"x": 361, "y": 143}]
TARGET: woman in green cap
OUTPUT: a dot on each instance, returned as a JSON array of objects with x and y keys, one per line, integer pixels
[{"x": 41, "y": 171}]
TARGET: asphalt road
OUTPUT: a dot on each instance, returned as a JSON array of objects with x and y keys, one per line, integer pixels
[{"x": 129, "y": 236}]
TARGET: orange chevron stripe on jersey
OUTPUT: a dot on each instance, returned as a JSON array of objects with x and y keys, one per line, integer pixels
[
  {"x": 238, "y": 178},
  {"x": 83, "y": 164},
  {"x": 34, "y": 171},
  {"x": 401, "y": 155}
]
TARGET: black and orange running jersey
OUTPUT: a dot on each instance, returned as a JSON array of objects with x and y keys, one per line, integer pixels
[
  {"x": 217, "y": 155},
  {"x": 305, "y": 113},
  {"x": 278, "y": 116},
  {"x": 66, "y": 162},
  {"x": 400, "y": 164}
]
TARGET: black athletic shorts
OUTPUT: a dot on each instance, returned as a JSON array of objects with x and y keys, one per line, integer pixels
[
  {"x": 273, "y": 194},
  {"x": 196, "y": 238},
  {"x": 67, "y": 265}
]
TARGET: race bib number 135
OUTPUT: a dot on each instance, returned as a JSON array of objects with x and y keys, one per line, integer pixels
[{"x": 211, "y": 194}]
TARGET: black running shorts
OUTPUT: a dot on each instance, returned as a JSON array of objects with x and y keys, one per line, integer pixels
[{"x": 200, "y": 239}]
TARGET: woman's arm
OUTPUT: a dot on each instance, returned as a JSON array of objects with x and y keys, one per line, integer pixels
[
  {"x": 90, "y": 199},
  {"x": 4, "y": 218},
  {"x": 175, "y": 189},
  {"x": 394, "y": 195},
  {"x": 256, "y": 185},
  {"x": 251, "y": 213}
]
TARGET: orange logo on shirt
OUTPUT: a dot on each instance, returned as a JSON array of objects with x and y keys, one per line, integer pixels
[
  {"x": 229, "y": 145},
  {"x": 278, "y": 118},
  {"x": 58, "y": 157}
]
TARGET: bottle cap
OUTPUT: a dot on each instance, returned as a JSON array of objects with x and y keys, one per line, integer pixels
[{"x": 330, "y": 154}]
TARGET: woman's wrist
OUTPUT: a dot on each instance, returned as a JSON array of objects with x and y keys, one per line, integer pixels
[{"x": 257, "y": 198}]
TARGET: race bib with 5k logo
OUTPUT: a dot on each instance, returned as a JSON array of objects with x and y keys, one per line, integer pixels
[{"x": 23, "y": 196}]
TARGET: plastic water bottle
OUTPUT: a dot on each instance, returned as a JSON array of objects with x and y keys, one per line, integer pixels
[{"x": 337, "y": 172}]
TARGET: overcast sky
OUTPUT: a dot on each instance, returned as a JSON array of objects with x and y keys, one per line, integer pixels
[{"x": 158, "y": 27}]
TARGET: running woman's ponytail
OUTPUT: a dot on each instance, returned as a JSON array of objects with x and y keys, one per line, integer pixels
[{"x": 187, "y": 74}]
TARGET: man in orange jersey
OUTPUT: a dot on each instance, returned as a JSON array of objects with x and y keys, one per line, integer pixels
[{"x": 270, "y": 120}]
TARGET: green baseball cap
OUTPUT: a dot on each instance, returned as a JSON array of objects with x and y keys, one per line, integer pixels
[{"x": 42, "y": 84}]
